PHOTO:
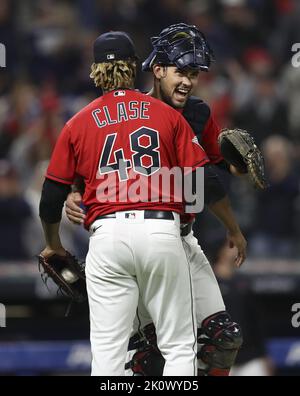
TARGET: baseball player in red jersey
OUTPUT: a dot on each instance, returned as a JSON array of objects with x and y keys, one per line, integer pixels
[
  {"x": 175, "y": 66},
  {"x": 179, "y": 52},
  {"x": 135, "y": 247}
]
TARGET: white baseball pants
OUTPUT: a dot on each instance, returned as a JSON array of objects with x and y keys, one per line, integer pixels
[
  {"x": 132, "y": 258},
  {"x": 208, "y": 299}
]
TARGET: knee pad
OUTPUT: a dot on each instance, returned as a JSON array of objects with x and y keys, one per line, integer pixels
[
  {"x": 147, "y": 361},
  {"x": 222, "y": 339}
]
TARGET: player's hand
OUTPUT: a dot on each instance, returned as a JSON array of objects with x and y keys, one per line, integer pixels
[
  {"x": 237, "y": 240},
  {"x": 73, "y": 210},
  {"x": 48, "y": 252},
  {"x": 236, "y": 171}
]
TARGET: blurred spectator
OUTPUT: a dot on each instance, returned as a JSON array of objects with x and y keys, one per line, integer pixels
[
  {"x": 266, "y": 113},
  {"x": 32, "y": 126},
  {"x": 252, "y": 359},
  {"x": 203, "y": 14},
  {"x": 214, "y": 88},
  {"x": 51, "y": 41},
  {"x": 287, "y": 30},
  {"x": 8, "y": 32},
  {"x": 255, "y": 62},
  {"x": 74, "y": 238},
  {"x": 291, "y": 86},
  {"x": 20, "y": 111},
  {"x": 14, "y": 213},
  {"x": 276, "y": 213},
  {"x": 242, "y": 24},
  {"x": 162, "y": 13}
]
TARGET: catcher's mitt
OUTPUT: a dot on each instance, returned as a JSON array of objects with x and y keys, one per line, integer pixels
[
  {"x": 239, "y": 149},
  {"x": 67, "y": 273}
]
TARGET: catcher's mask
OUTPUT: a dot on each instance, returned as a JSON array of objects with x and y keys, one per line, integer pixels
[{"x": 181, "y": 45}]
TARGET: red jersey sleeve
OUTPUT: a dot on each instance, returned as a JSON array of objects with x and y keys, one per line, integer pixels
[
  {"x": 189, "y": 151},
  {"x": 62, "y": 163},
  {"x": 209, "y": 140}
]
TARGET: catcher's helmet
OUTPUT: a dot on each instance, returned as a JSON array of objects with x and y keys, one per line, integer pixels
[{"x": 181, "y": 45}]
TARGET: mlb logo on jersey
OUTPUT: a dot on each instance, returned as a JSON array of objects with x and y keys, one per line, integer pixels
[
  {"x": 130, "y": 215},
  {"x": 119, "y": 93}
]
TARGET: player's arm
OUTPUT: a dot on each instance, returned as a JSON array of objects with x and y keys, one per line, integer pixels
[
  {"x": 213, "y": 188},
  {"x": 52, "y": 200},
  {"x": 218, "y": 203},
  {"x": 223, "y": 211},
  {"x": 216, "y": 199}
]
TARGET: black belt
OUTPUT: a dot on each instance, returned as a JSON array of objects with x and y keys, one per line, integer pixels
[{"x": 148, "y": 214}]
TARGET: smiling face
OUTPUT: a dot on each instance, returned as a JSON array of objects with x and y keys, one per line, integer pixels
[{"x": 174, "y": 86}]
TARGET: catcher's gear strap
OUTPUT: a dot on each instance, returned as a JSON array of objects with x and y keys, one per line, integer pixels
[
  {"x": 222, "y": 339},
  {"x": 213, "y": 188},
  {"x": 52, "y": 200},
  {"x": 197, "y": 113},
  {"x": 147, "y": 360},
  {"x": 146, "y": 336},
  {"x": 136, "y": 342}
]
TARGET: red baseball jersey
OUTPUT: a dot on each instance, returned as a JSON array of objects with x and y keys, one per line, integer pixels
[
  {"x": 209, "y": 140},
  {"x": 119, "y": 143}
]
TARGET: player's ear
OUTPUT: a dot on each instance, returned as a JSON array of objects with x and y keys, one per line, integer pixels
[{"x": 159, "y": 71}]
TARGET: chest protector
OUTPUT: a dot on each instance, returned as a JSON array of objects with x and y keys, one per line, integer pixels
[{"x": 197, "y": 113}]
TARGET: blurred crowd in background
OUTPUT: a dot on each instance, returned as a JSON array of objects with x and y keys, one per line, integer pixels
[{"x": 252, "y": 84}]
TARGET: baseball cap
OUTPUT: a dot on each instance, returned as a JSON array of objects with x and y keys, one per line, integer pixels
[{"x": 113, "y": 46}]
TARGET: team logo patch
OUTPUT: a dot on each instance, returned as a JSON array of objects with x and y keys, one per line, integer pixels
[{"x": 130, "y": 215}]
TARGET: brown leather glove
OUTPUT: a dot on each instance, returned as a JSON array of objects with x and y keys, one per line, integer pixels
[
  {"x": 67, "y": 273},
  {"x": 239, "y": 149}
]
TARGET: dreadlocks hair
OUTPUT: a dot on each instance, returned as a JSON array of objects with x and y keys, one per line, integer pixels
[{"x": 113, "y": 75}]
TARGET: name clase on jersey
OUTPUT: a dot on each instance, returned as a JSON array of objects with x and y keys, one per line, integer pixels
[{"x": 122, "y": 112}]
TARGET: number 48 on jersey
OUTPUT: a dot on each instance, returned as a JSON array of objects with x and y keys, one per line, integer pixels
[{"x": 145, "y": 158}]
